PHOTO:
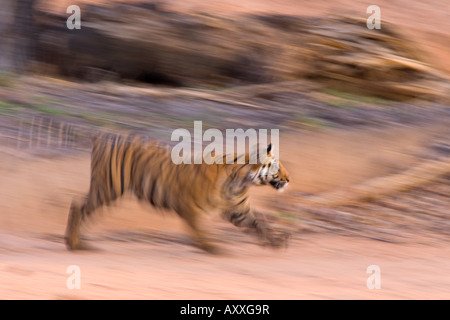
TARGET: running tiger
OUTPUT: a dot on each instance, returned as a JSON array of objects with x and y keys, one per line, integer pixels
[{"x": 131, "y": 163}]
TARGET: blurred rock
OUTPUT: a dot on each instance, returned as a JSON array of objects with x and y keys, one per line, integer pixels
[
  {"x": 143, "y": 42},
  {"x": 17, "y": 43}
]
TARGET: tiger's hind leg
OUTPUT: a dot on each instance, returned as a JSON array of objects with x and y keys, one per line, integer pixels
[
  {"x": 245, "y": 217},
  {"x": 80, "y": 212},
  {"x": 72, "y": 236}
]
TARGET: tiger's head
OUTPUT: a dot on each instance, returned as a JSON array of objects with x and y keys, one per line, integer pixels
[{"x": 270, "y": 171}]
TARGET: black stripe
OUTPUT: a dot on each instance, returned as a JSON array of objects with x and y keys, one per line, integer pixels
[
  {"x": 122, "y": 182},
  {"x": 152, "y": 193},
  {"x": 152, "y": 190},
  {"x": 164, "y": 201},
  {"x": 97, "y": 202},
  {"x": 139, "y": 182},
  {"x": 134, "y": 163},
  {"x": 118, "y": 162},
  {"x": 242, "y": 201},
  {"x": 122, "y": 167}
]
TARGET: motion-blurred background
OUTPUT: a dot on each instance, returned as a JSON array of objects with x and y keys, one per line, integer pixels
[{"x": 363, "y": 113}]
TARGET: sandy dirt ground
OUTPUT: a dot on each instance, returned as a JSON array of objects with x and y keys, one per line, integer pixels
[
  {"x": 316, "y": 267},
  {"x": 139, "y": 253}
]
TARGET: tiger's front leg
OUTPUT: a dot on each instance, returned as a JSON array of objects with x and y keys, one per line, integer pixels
[
  {"x": 192, "y": 217},
  {"x": 243, "y": 216}
]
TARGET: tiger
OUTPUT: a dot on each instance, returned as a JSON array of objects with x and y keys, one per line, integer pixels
[{"x": 133, "y": 163}]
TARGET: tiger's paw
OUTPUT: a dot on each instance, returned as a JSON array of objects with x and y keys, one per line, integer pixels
[
  {"x": 209, "y": 248},
  {"x": 72, "y": 245},
  {"x": 76, "y": 244},
  {"x": 277, "y": 239}
]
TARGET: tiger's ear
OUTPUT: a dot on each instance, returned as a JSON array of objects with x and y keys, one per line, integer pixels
[{"x": 269, "y": 148}]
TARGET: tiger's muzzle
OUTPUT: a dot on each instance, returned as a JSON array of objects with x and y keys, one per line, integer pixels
[{"x": 279, "y": 184}]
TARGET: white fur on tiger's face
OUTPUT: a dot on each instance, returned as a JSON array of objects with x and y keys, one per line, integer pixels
[{"x": 272, "y": 172}]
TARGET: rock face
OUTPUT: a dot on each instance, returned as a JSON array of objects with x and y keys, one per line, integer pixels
[
  {"x": 145, "y": 43},
  {"x": 17, "y": 29}
]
